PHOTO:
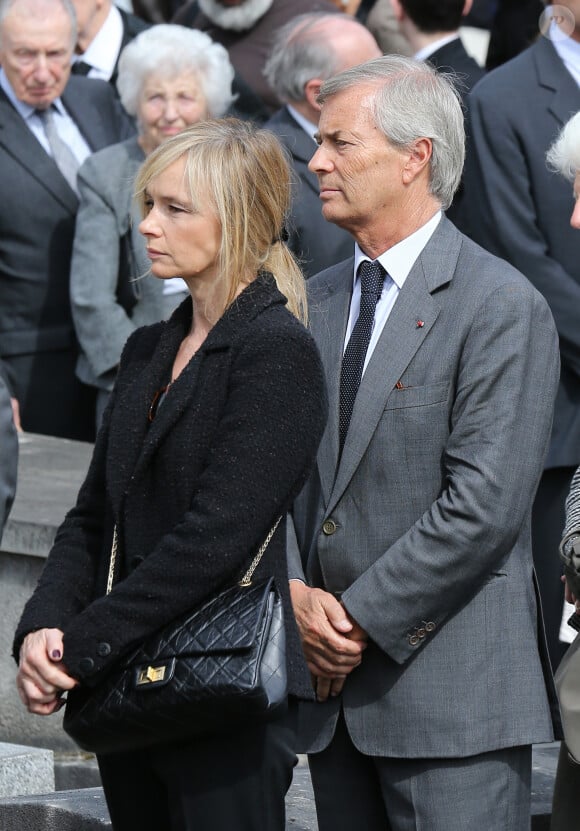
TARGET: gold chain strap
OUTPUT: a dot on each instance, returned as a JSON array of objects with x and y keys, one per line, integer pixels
[
  {"x": 245, "y": 581},
  {"x": 247, "y": 578},
  {"x": 113, "y": 560}
]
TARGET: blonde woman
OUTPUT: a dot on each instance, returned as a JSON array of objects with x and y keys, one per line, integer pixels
[{"x": 210, "y": 433}]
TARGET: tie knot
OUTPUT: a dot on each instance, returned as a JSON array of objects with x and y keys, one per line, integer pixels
[
  {"x": 372, "y": 277},
  {"x": 45, "y": 115}
]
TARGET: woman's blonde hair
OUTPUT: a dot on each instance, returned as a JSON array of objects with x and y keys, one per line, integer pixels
[{"x": 242, "y": 171}]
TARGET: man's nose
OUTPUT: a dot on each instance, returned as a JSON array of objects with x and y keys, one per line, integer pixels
[
  {"x": 319, "y": 161},
  {"x": 575, "y": 218},
  {"x": 41, "y": 70}
]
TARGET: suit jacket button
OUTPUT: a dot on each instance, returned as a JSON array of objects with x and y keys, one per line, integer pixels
[
  {"x": 421, "y": 632},
  {"x": 430, "y": 626},
  {"x": 86, "y": 665},
  {"x": 413, "y": 640},
  {"x": 329, "y": 527},
  {"x": 104, "y": 649}
]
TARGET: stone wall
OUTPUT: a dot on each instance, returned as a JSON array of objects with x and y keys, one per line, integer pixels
[{"x": 50, "y": 473}]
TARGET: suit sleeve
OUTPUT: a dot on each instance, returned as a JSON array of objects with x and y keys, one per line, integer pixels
[
  {"x": 101, "y": 323},
  {"x": 8, "y": 455},
  {"x": 500, "y": 201},
  {"x": 499, "y": 432}
]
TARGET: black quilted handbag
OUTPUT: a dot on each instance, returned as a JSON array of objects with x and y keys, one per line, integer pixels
[{"x": 220, "y": 666}]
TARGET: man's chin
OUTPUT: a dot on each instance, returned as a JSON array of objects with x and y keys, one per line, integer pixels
[{"x": 41, "y": 100}]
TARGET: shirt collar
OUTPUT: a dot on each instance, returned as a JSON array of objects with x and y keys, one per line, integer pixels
[
  {"x": 306, "y": 125},
  {"x": 568, "y": 51},
  {"x": 427, "y": 51},
  {"x": 400, "y": 259},
  {"x": 103, "y": 50}
]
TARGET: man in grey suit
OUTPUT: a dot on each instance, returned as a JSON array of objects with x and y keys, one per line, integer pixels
[
  {"x": 518, "y": 209},
  {"x": 306, "y": 51},
  {"x": 411, "y": 571},
  {"x": 48, "y": 125}
]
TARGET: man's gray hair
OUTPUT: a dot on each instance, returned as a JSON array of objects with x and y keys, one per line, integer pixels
[
  {"x": 299, "y": 54},
  {"x": 67, "y": 5},
  {"x": 413, "y": 101},
  {"x": 168, "y": 50},
  {"x": 564, "y": 155}
]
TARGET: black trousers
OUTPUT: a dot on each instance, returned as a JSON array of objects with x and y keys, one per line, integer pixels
[
  {"x": 548, "y": 517},
  {"x": 52, "y": 399},
  {"x": 234, "y": 782}
]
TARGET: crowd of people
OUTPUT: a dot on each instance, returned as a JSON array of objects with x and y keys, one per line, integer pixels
[{"x": 308, "y": 260}]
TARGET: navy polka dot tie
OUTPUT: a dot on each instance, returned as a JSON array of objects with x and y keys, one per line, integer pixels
[{"x": 372, "y": 277}]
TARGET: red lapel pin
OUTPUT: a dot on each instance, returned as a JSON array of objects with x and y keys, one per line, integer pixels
[{"x": 420, "y": 324}]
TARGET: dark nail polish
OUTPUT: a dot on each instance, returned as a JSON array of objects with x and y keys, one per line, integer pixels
[{"x": 56, "y": 654}]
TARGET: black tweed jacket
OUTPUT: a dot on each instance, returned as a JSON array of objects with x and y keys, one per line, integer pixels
[{"x": 193, "y": 493}]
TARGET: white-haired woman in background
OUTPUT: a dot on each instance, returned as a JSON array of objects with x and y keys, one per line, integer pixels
[
  {"x": 564, "y": 157},
  {"x": 169, "y": 78}
]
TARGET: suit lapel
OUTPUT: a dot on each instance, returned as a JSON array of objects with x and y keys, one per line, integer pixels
[
  {"x": 81, "y": 108},
  {"x": 553, "y": 75},
  {"x": 21, "y": 144},
  {"x": 303, "y": 147},
  {"x": 329, "y": 312},
  {"x": 400, "y": 339},
  {"x": 132, "y": 437}
]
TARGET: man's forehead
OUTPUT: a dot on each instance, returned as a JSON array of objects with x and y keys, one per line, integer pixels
[{"x": 25, "y": 26}]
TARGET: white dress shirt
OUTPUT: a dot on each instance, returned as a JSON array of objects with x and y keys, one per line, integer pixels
[
  {"x": 397, "y": 262},
  {"x": 308, "y": 127},
  {"x": 103, "y": 50},
  {"x": 426, "y": 52}
]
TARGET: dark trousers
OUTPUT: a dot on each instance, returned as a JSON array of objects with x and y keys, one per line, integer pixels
[
  {"x": 52, "y": 399},
  {"x": 487, "y": 792},
  {"x": 235, "y": 782},
  {"x": 548, "y": 517}
]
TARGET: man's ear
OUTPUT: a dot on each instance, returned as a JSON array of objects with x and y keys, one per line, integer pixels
[
  {"x": 398, "y": 10},
  {"x": 419, "y": 157},
  {"x": 311, "y": 90},
  {"x": 467, "y": 7}
]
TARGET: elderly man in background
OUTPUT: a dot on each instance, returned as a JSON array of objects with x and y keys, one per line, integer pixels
[
  {"x": 103, "y": 30},
  {"x": 411, "y": 571},
  {"x": 246, "y": 28},
  {"x": 49, "y": 125},
  {"x": 307, "y": 51},
  {"x": 432, "y": 29},
  {"x": 518, "y": 209}
]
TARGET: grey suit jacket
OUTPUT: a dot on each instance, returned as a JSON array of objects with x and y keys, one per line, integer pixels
[
  {"x": 37, "y": 218},
  {"x": 106, "y": 212},
  {"x": 423, "y": 529},
  {"x": 316, "y": 243},
  {"x": 517, "y": 209}
]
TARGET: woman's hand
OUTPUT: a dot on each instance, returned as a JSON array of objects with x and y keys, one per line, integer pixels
[{"x": 42, "y": 677}]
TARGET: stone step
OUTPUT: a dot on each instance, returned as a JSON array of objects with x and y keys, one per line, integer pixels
[
  {"x": 25, "y": 770},
  {"x": 84, "y": 809}
]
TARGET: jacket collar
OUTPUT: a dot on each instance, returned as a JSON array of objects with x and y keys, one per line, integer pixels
[{"x": 132, "y": 437}]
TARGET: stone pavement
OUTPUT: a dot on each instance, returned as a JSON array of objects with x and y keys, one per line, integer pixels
[{"x": 85, "y": 810}]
